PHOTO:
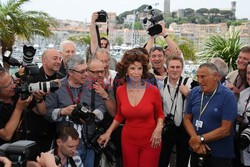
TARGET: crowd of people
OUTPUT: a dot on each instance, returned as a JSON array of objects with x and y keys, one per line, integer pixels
[{"x": 137, "y": 112}]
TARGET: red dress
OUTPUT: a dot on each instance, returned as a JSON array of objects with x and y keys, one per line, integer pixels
[{"x": 140, "y": 120}]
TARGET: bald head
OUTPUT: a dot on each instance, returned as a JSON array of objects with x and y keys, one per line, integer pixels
[
  {"x": 95, "y": 63},
  {"x": 51, "y": 60},
  {"x": 96, "y": 69}
]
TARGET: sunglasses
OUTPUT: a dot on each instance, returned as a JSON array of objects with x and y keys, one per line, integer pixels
[{"x": 156, "y": 48}]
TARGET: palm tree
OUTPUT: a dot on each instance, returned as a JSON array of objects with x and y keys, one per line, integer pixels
[
  {"x": 225, "y": 46},
  {"x": 25, "y": 24}
]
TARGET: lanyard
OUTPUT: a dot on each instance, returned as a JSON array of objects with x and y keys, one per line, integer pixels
[
  {"x": 71, "y": 95},
  {"x": 204, "y": 108},
  {"x": 175, "y": 95},
  {"x": 247, "y": 101}
]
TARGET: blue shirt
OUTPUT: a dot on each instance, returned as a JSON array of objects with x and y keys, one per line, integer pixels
[{"x": 222, "y": 106}]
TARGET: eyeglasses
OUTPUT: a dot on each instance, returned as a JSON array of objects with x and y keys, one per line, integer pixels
[
  {"x": 156, "y": 48},
  {"x": 9, "y": 84},
  {"x": 97, "y": 72},
  {"x": 80, "y": 72}
]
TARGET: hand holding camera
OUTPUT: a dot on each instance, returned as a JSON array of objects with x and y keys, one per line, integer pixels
[
  {"x": 104, "y": 139},
  {"x": 22, "y": 104},
  {"x": 46, "y": 160},
  {"x": 67, "y": 110}
]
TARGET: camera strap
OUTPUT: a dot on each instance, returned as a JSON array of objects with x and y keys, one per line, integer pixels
[
  {"x": 92, "y": 99},
  {"x": 247, "y": 102},
  {"x": 98, "y": 36},
  {"x": 175, "y": 95},
  {"x": 71, "y": 161},
  {"x": 71, "y": 95}
]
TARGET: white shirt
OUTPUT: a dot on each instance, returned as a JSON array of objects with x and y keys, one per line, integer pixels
[
  {"x": 111, "y": 78},
  {"x": 174, "y": 103},
  {"x": 245, "y": 155}
]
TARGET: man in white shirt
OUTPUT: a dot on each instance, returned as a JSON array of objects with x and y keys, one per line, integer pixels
[{"x": 174, "y": 93}]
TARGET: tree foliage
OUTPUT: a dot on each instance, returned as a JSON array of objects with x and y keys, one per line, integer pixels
[
  {"x": 25, "y": 24},
  {"x": 186, "y": 46},
  {"x": 226, "y": 47},
  {"x": 80, "y": 39}
]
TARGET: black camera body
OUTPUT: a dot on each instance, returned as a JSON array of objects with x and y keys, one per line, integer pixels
[
  {"x": 28, "y": 55},
  {"x": 102, "y": 16},
  {"x": 30, "y": 74},
  {"x": 168, "y": 124},
  {"x": 154, "y": 28},
  {"x": 244, "y": 138},
  {"x": 109, "y": 150},
  {"x": 82, "y": 113},
  {"x": 19, "y": 152}
]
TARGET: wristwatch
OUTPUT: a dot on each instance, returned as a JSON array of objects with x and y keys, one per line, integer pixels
[{"x": 202, "y": 139}]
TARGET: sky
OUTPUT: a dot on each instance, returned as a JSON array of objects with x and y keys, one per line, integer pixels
[{"x": 81, "y": 10}]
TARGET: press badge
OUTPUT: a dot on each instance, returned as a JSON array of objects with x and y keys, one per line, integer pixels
[{"x": 198, "y": 124}]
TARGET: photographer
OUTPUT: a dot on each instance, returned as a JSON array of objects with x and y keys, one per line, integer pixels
[
  {"x": 44, "y": 131},
  {"x": 64, "y": 154},
  {"x": 13, "y": 121},
  {"x": 209, "y": 116},
  {"x": 98, "y": 42},
  {"x": 62, "y": 106},
  {"x": 172, "y": 47},
  {"x": 243, "y": 107},
  {"x": 66, "y": 145},
  {"x": 96, "y": 78},
  {"x": 158, "y": 55},
  {"x": 176, "y": 89}
]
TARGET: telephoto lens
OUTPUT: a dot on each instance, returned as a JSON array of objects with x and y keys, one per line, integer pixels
[{"x": 51, "y": 86}]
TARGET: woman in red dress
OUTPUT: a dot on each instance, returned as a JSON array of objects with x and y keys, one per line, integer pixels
[{"x": 139, "y": 104}]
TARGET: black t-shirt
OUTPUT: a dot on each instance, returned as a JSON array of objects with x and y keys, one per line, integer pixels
[
  {"x": 7, "y": 109},
  {"x": 43, "y": 131}
]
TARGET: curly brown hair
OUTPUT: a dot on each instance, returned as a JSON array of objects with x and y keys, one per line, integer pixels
[{"x": 130, "y": 57}]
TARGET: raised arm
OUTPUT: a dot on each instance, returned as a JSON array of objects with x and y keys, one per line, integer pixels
[
  {"x": 93, "y": 34},
  {"x": 172, "y": 46}
]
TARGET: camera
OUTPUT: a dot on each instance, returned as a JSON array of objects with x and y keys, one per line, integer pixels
[
  {"x": 151, "y": 22},
  {"x": 201, "y": 160},
  {"x": 168, "y": 124},
  {"x": 102, "y": 16},
  {"x": 244, "y": 139},
  {"x": 19, "y": 152},
  {"x": 109, "y": 150},
  {"x": 28, "y": 55},
  {"x": 26, "y": 89},
  {"x": 82, "y": 113}
]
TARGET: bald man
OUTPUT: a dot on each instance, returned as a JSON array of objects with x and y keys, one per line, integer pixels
[{"x": 42, "y": 130}]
